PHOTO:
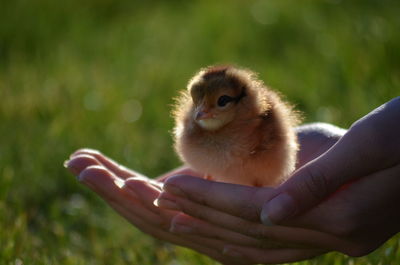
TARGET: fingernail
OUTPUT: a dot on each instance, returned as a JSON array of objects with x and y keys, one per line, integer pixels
[
  {"x": 174, "y": 190},
  {"x": 168, "y": 204},
  {"x": 228, "y": 251},
  {"x": 181, "y": 229},
  {"x": 74, "y": 170},
  {"x": 119, "y": 182},
  {"x": 278, "y": 209},
  {"x": 265, "y": 219},
  {"x": 84, "y": 150}
]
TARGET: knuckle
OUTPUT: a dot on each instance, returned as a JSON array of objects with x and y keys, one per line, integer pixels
[{"x": 316, "y": 183}]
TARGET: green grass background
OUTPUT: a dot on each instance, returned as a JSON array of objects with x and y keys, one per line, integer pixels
[{"x": 101, "y": 74}]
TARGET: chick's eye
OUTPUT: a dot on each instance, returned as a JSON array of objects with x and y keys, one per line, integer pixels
[{"x": 223, "y": 100}]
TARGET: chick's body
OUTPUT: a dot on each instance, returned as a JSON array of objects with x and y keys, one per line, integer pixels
[{"x": 231, "y": 128}]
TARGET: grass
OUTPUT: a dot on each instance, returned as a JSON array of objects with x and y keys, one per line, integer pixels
[{"x": 102, "y": 74}]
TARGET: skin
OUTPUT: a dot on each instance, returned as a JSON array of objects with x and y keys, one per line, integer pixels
[
  {"x": 134, "y": 201},
  {"x": 333, "y": 202},
  {"x": 345, "y": 200}
]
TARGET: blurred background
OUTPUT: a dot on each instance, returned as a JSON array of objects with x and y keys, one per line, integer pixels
[{"x": 102, "y": 74}]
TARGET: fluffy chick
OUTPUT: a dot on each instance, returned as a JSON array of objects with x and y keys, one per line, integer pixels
[{"x": 230, "y": 127}]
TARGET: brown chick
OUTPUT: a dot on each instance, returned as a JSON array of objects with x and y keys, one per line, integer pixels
[{"x": 230, "y": 127}]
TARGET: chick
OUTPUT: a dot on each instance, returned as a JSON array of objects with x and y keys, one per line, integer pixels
[{"x": 230, "y": 127}]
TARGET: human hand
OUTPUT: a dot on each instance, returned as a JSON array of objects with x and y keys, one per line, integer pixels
[
  {"x": 371, "y": 145},
  {"x": 351, "y": 220},
  {"x": 314, "y": 140},
  {"x": 132, "y": 194}
]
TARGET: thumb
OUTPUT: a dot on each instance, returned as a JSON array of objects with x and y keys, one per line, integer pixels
[
  {"x": 316, "y": 180},
  {"x": 367, "y": 147},
  {"x": 307, "y": 187}
]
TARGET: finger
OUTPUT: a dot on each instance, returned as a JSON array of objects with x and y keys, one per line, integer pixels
[
  {"x": 211, "y": 248},
  {"x": 186, "y": 225},
  {"x": 110, "y": 164},
  {"x": 147, "y": 193},
  {"x": 102, "y": 181},
  {"x": 271, "y": 256},
  {"x": 221, "y": 196},
  {"x": 350, "y": 158},
  {"x": 360, "y": 207},
  {"x": 277, "y": 234},
  {"x": 78, "y": 163},
  {"x": 199, "y": 211},
  {"x": 105, "y": 184}
]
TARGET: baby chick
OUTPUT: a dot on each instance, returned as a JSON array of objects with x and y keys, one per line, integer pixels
[{"x": 230, "y": 127}]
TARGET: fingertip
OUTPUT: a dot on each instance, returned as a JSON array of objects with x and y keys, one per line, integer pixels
[
  {"x": 120, "y": 183},
  {"x": 278, "y": 209},
  {"x": 136, "y": 182},
  {"x": 80, "y": 162},
  {"x": 87, "y": 151},
  {"x": 94, "y": 172},
  {"x": 265, "y": 218},
  {"x": 137, "y": 186},
  {"x": 180, "y": 184},
  {"x": 166, "y": 201},
  {"x": 155, "y": 203},
  {"x": 171, "y": 188}
]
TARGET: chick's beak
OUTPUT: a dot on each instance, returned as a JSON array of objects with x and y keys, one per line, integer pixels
[{"x": 204, "y": 114}]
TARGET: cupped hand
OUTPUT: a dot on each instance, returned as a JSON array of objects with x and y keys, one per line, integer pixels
[
  {"x": 355, "y": 220},
  {"x": 132, "y": 195},
  {"x": 345, "y": 200}
]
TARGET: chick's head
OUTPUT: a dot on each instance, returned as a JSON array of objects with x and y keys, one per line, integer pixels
[{"x": 217, "y": 94}]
